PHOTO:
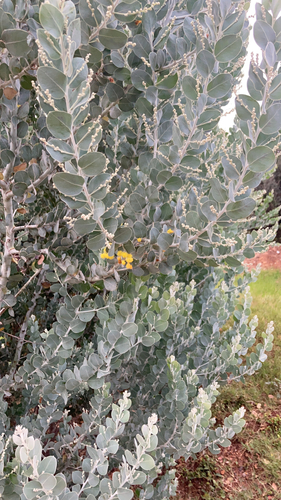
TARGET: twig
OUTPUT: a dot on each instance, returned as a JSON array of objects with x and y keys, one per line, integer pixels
[
  {"x": 22, "y": 288},
  {"x": 24, "y": 326}
]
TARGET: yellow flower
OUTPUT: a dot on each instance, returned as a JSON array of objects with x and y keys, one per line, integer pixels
[
  {"x": 139, "y": 240},
  {"x": 129, "y": 266},
  {"x": 170, "y": 231},
  {"x": 104, "y": 255},
  {"x": 129, "y": 259},
  {"x": 123, "y": 262}
]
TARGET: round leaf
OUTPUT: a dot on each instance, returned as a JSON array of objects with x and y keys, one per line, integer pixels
[
  {"x": 227, "y": 48},
  {"x": 112, "y": 39},
  {"x": 16, "y": 42},
  {"x": 92, "y": 163},
  {"x": 51, "y": 19},
  {"x": 59, "y": 124},
  {"x": 260, "y": 159},
  {"x": 53, "y": 80},
  {"x": 271, "y": 122},
  {"x": 68, "y": 184},
  {"x": 219, "y": 86},
  {"x": 241, "y": 209}
]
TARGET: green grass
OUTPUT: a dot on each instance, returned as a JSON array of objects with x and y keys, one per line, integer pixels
[{"x": 252, "y": 465}]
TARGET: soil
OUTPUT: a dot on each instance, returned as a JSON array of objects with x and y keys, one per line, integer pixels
[{"x": 271, "y": 259}]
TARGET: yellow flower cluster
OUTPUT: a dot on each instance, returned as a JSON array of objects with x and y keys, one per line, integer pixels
[
  {"x": 104, "y": 255},
  {"x": 125, "y": 258},
  {"x": 170, "y": 231}
]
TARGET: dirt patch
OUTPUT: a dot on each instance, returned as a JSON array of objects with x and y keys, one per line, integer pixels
[{"x": 271, "y": 259}]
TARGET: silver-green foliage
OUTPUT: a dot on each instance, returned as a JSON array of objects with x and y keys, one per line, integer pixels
[{"x": 140, "y": 211}]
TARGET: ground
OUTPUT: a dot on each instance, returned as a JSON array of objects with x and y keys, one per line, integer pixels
[{"x": 250, "y": 469}]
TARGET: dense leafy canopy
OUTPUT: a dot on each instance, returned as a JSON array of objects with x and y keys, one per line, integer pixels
[{"x": 126, "y": 216}]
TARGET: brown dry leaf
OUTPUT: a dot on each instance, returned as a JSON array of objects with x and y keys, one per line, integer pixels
[
  {"x": 270, "y": 396},
  {"x": 46, "y": 284},
  {"x": 22, "y": 166},
  {"x": 274, "y": 487},
  {"x": 1, "y": 176},
  {"x": 21, "y": 210},
  {"x": 41, "y": 260},
  {"x": 9, "y": 93},
  {"x": 33, "y": 160}
]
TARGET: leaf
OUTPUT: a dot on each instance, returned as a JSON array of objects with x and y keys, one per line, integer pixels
[
  {"x": 228, "y": 47},
  {"x": 123, "y": 234},
  {"x": 59, "y": 150},
  {"x": 188, "y": 29},
  {"x": 20, "y": 167},
  {"x": 270, "y": 54},
  {"x": 241, "y": 209},
  {"x": 122, "y": 345},
  {"x": 16, "y": 42},
  {"x": 138, "y": 77},
  {"x": 124, "y": 494},
  {"x": 68, "y": 184},
  {"x": 53, "y": 80},
  {"x": 142, "y": 46},
  {"x": 275, "y": 88},
  {"x": 189, "y": 87},
  {"x": 84, "y": 135},
  {"x": 263, "y": 33},
  {"x": 51, "y": 19},
  {"x": 137, "y": 202},
  {"x": 219, "y": 86},
  {"x": 83, "y": 227},
  {"x": 91, "y": 15},
  {"x": 168, "y": 82},
  {"x": 218, "y": 192},
  {"x": 271, "y": 122},
  {"x": 114, "y": 92},
  {"x": 260, "y": 159},
  {"x": 59, "y": 124},
  {"x": 92, "y": 163},
  {"x": 165, "y": 131},
  {"x": 48, "y": 481},
  {"x": 232, "y": 167},
  {"x": 164, "y": 240},
  {"x": 174, "y": 183},
  {"x": 143, "y": 107},
  {"x": 129, "y": 329},
  {"x": 205, "y": 62},
  {"x": 110, "y": 284},
  {"x": 112, "y": 39},
  {"x": 147, "y": 462},
  {"x": 9, "y": 93},
  {"x": 244, "y": 106},
  {"x": 97, "y": 242},
  {"x": 80, "y": 72},
  {"x": 31, "y": 489},
  {"x": 4, "y": 72},
  {"x": 209, "y": 119}
]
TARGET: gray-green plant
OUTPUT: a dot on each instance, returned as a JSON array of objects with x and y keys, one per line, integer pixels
[{"x": 126, "y": 216}]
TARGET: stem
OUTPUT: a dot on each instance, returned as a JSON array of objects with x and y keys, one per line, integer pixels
[
  {"x": 7, "y": 196},
  {"x": 24, "y": 326}
]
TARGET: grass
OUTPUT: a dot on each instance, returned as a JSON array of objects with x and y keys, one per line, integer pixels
[{"x": 251, "y": 468}]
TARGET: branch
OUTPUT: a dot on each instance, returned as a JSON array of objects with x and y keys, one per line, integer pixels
[
  {"x": 24, "y": 326},
  {"x": 3, "y": 85}
]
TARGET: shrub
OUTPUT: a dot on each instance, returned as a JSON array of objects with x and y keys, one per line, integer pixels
[{"x": 127, "y": 213}]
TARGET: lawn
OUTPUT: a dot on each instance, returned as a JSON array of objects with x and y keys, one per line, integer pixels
[{"x": 251, "y": 468}]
